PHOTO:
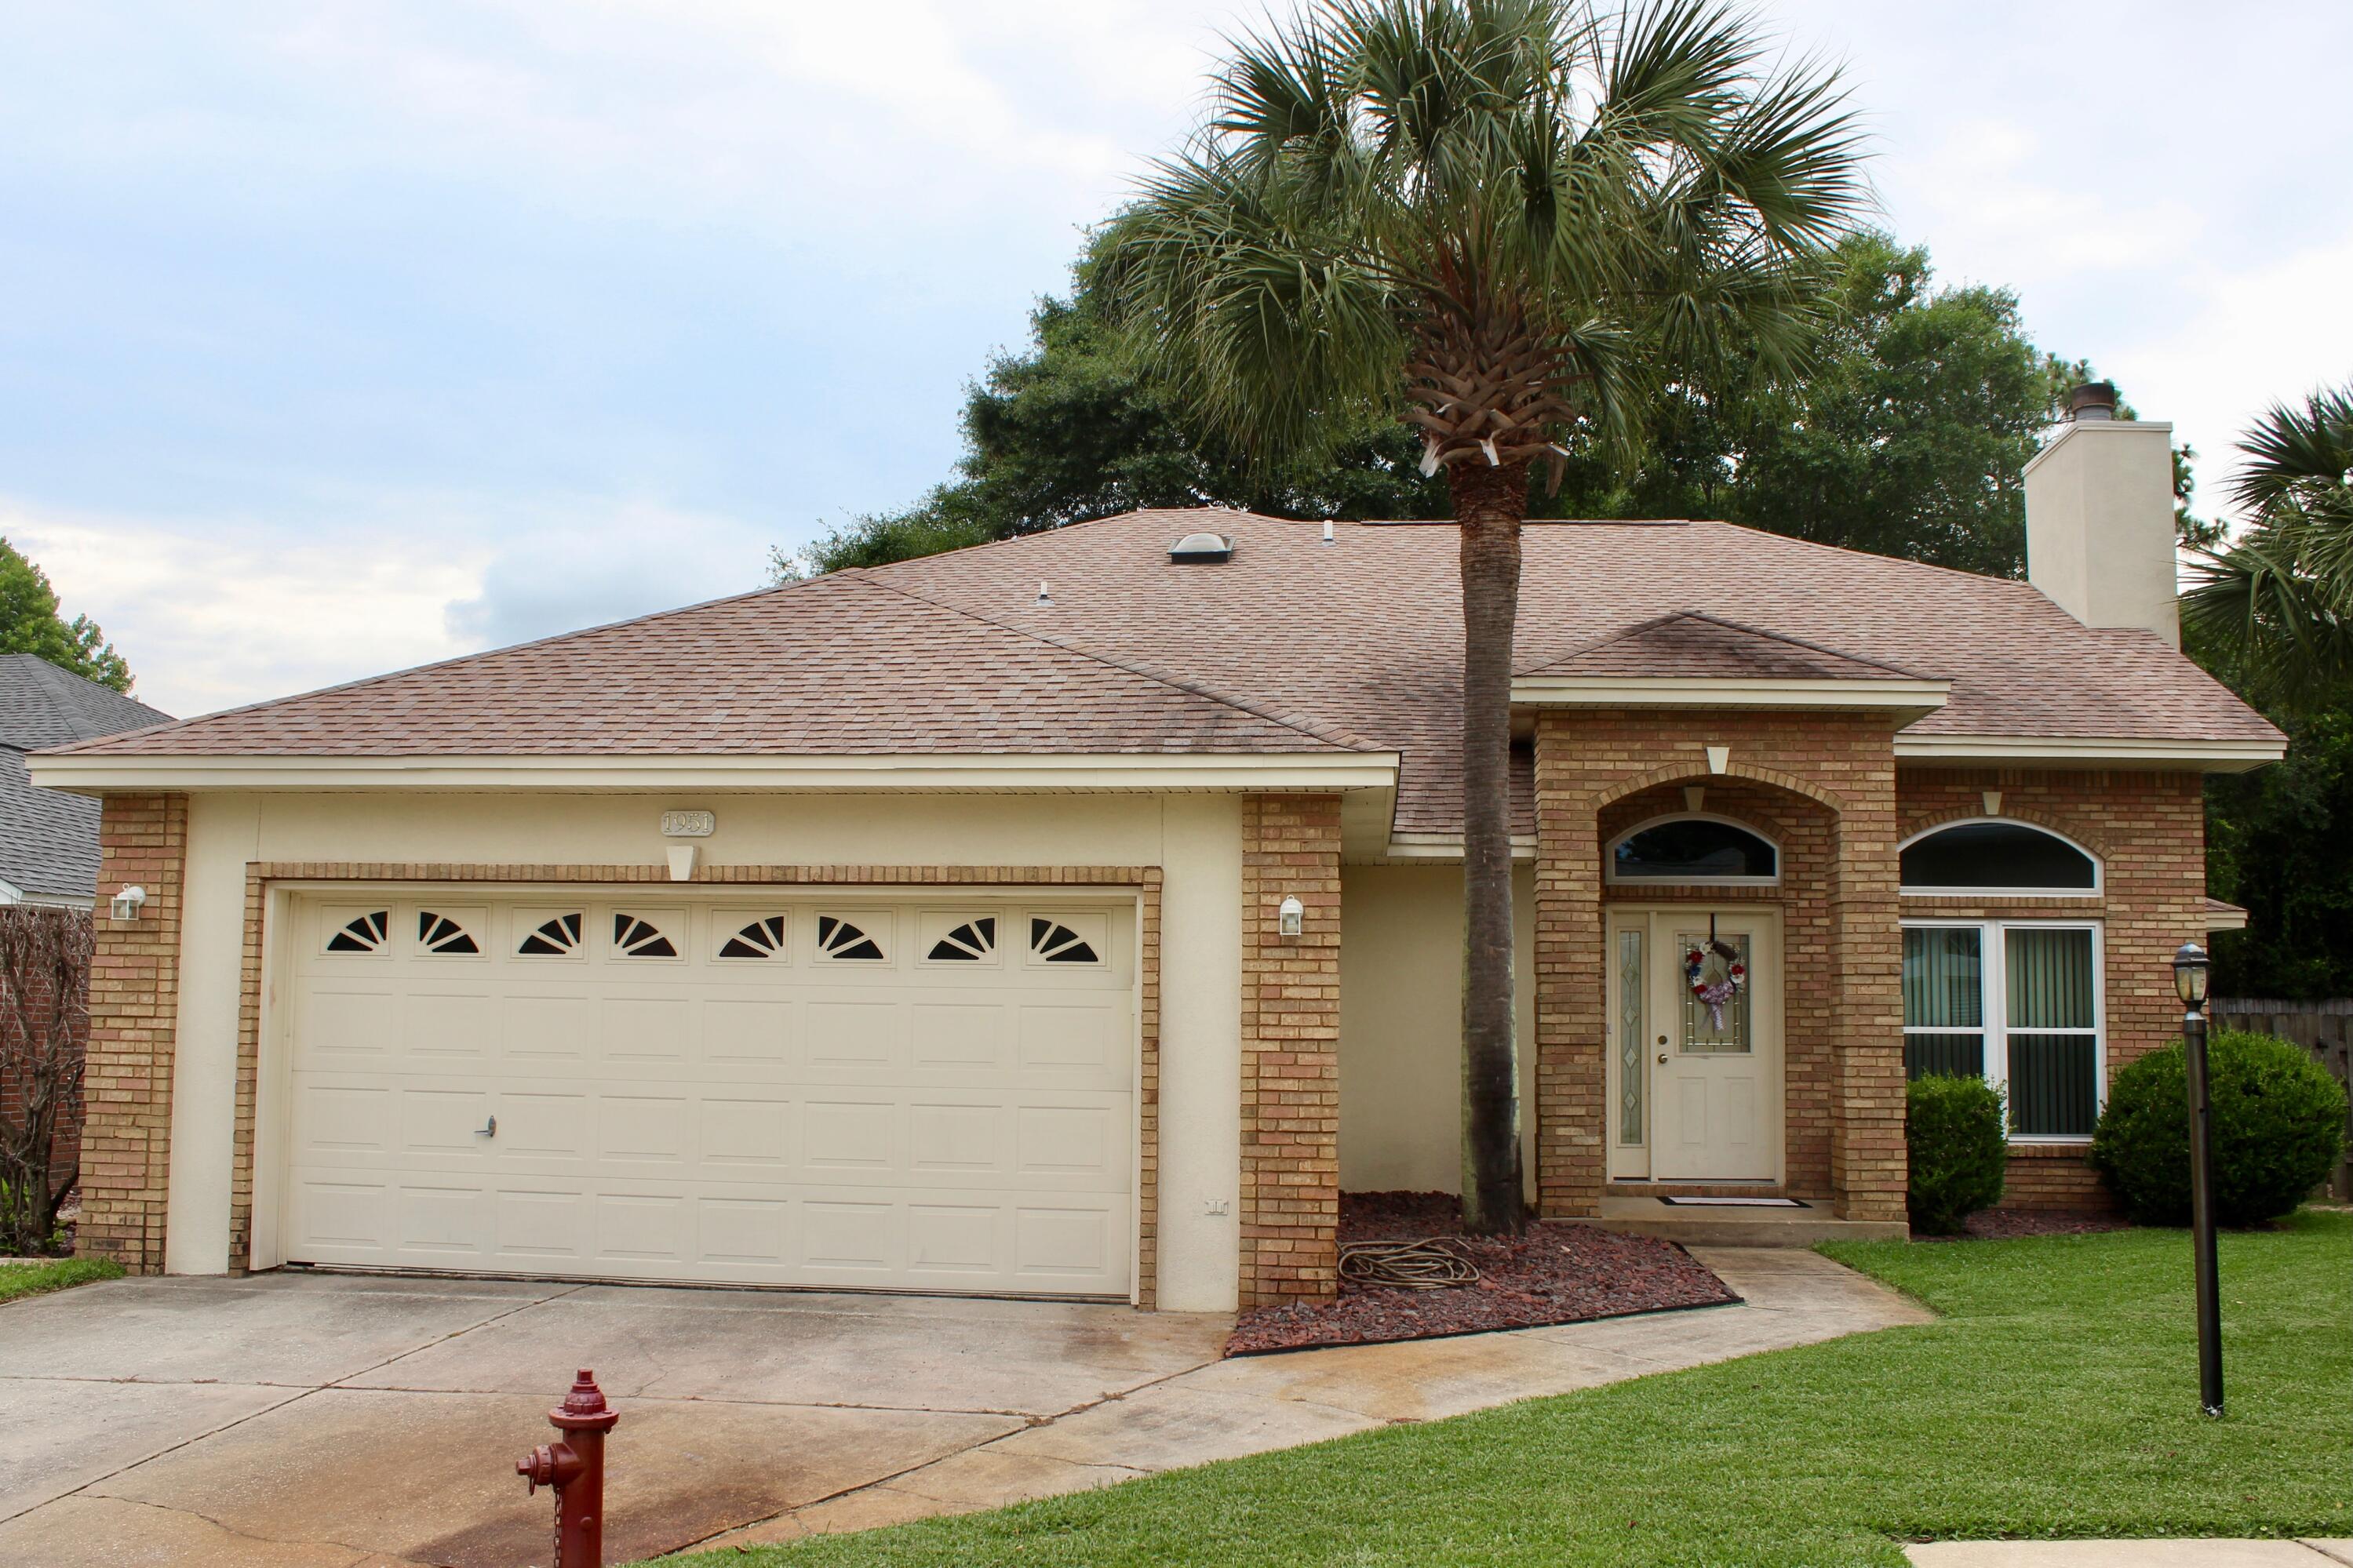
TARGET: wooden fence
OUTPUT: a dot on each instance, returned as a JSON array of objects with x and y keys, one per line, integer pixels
[{"x": 2324, "y": 1029}]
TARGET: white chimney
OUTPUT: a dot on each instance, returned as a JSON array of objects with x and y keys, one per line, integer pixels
[{"x": 2099, "y": 518}]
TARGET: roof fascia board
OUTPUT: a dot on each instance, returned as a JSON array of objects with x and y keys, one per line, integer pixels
[
  {"x": 1410, "y": 846},
  {"x": 1338, "y": 771},
  {"x": 1916, "y": 697},
  {"x": 2070, "y": 751}
]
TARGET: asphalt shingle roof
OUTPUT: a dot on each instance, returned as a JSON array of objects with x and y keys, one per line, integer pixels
[
  {"x": 48, "y": 840},
  {"x": 1293, "y": 644}
]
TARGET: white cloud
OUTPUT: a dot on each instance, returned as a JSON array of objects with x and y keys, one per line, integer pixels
[{"x": 211, "y": 615}]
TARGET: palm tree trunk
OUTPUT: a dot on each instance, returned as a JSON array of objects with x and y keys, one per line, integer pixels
[{"x": 1489, "y": 505}]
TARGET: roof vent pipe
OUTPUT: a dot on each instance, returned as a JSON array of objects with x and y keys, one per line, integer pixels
[
  {"x": 1327, "y": 530},
  {"x": 1043, "y": 596},
  {"x": 2092, "y": 400}
]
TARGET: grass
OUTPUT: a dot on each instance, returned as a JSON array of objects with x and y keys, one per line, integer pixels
[
  {"x": 2056, "y": 1397},
  {"x": 22, "y": 1280}
]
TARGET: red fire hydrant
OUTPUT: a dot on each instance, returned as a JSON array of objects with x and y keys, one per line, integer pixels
[{"x": 574, "y": 1466}]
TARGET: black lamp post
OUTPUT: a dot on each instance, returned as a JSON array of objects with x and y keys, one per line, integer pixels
[{"x": 2190, "y": 974}]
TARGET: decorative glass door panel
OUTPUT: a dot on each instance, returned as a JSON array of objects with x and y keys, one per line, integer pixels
[{"x": 1715, "y": 1064}]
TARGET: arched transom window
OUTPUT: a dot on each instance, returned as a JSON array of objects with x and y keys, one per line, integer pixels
[
  {"x": 1708, "y": 850},
  {"x": 1995, "y": 855}
]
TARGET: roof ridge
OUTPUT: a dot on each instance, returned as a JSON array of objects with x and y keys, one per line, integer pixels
[
  {"x": 1848, "y": 550},
  {"x": 1331, "y": 734},
  {"x": 1053, "y": 530},
  {"x": 1656, "y": 621}
]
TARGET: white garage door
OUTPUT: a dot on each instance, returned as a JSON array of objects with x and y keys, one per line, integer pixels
[{"x": 933, "y": 1092}]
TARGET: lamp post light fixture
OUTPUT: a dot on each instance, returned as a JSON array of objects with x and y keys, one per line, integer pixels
[{"x": 2190, "y": 970}]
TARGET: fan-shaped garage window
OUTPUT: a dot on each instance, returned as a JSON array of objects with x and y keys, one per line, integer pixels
[
  {"x": 362, "y": 933},
  {"x": 438, "y": 933},
  {"x": 636, "y": 937},
  {"x": 763, "y": 938},
  {"x": 556, "y": 938},
  {"x": 1051, "y": 941},
  {"x": 1704, "y": 850},
  {"x": 836, "y": 938},
  {"x": 1996, "y": 856},
  {"x": 970, "y": 941}
]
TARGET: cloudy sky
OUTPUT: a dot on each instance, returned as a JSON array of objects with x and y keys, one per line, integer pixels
[{"x": 339, "y": 338}]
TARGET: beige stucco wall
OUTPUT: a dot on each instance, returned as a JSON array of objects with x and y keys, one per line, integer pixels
[
  {"x": 1401, "y": 1025},
  {"x": 1195, "y": 840}
]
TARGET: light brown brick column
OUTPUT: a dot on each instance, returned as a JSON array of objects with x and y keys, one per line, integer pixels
[
  {"x": 1867, "y": 1150},
  {"x": 135, "y": 995},
  {"x": 1569, "y": 980},
  {"x": 1291, "y": 1051}
]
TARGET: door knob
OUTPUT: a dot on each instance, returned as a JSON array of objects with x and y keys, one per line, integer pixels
[{"x": 1662, "y": 1058}]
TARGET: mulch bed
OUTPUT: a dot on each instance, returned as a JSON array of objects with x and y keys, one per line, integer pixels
[
  {"x": 2000, "y": 1224},
  {"x": 1552, "y": 1273}
]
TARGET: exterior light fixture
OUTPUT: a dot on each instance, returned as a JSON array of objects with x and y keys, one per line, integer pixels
[
  {"x": 1291, "y": 915},
  {"x": 124, "y": 905},
  {"x": 2191, "y": 969}
]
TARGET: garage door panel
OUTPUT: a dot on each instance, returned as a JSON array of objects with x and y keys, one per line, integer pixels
[
  {"x": 645, "y": 1029},
  {"x": 549, "y": 1028},
  {"x": 445, "y": 1121},
  {"x": 856, "y": 1032},
  {"x": 741, "y": 1032},
  {"x": 783, "y": 1118}
]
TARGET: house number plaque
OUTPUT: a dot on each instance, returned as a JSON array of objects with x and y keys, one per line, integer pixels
[{"x": 688, "y": 823}]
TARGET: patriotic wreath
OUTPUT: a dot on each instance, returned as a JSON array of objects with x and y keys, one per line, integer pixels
[{"x": 1727, "y": 982}]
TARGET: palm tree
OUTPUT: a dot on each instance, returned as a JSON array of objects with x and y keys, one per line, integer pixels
[
  {"x": 2276, "y": 608},
  {"x": 1495, "y": 218}
]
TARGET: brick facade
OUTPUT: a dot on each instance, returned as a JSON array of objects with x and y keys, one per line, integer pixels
[
  {"x": 134, "y": 992},
  {"x": 1291, "y": 1051},
  {"x": 2149, "y": 831},
  {"x": 1823, "y": 785}
]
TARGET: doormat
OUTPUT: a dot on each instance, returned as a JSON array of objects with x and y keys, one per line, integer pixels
[{"x": 1735, "y": 1203}]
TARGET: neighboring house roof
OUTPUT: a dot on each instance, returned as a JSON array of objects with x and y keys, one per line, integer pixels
[
  {"x": 1292, "y": 645},
  {"x": 41, "y": 705},
  {"x": 48, "y": 839}
]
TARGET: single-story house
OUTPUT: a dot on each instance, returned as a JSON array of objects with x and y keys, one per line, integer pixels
[
  {"x": 1080, "y": 915},
  {"x": 48, "y": 841}
]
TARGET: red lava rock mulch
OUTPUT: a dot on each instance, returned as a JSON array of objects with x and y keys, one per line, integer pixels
[
  {"x": 1999, "y": 1225},
  {"x": 1553, "y": 1274}
]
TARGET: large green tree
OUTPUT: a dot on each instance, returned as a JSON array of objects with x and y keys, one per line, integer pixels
[
  {"x": 1495, "y": 219},
  {"x": 1905, "y": 437},
  {"x": 30, "y": 622}
]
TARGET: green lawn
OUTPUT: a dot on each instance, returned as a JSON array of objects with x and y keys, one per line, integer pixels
[
  {"x": 2056, "y": 1397},
  {"x": 22, "y": 1280}
]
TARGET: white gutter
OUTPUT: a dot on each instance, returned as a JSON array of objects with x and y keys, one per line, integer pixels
[
  {"x": 2061, "y": 750},
  {"x": 1917, "y": 698},
  {"x": 96, "y": 773}
]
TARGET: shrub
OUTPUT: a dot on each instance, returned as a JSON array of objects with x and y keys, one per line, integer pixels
[
  {"x": 1953, "y": 1128},
  {"x": 2279, "y": 1123}
]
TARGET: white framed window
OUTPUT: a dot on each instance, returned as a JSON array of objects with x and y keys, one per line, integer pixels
[
  {"x": 2018, "y": 1003},
  {"x": 1692, "y": 849},
  {"x": 1994, "y": 856}
]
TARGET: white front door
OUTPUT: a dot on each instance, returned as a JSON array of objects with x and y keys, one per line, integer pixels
[
  {"x": 1711, "y": 1061},
  {"x": 927, "y": 1090}
]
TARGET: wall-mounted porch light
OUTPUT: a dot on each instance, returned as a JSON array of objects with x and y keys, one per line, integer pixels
[
  {"x": 124, "y": 905},
  {"x": 1290, "y": 916}
]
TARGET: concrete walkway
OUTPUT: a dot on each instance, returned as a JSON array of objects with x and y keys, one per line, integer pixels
[
  {"x": 2133, "y": 1554},
  {"x": 332, "y": 1422}
]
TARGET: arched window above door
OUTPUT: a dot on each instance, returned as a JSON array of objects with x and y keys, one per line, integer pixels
[
  {"x": 1996, "y": 855},
  {"x": 1708, "y": 851}
]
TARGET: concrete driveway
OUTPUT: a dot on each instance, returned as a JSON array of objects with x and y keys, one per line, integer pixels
[{"x": 312, "y": 1421}]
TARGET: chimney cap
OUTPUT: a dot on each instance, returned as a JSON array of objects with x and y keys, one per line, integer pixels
[{"x": 2092, "y": 400}]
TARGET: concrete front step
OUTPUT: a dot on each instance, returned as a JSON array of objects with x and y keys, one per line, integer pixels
[{"x": 1739, "y": 1226}]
